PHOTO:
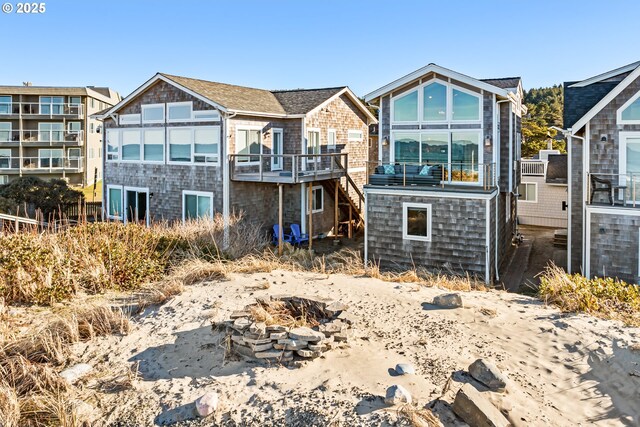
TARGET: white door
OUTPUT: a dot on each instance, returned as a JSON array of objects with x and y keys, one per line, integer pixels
[{"x": 277, "y": 150}]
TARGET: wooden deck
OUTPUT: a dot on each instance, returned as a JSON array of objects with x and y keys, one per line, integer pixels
[{"x": 279, "y": 177}]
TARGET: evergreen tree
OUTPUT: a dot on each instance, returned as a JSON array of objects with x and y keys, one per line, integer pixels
[{"x": 545, "y": 110}]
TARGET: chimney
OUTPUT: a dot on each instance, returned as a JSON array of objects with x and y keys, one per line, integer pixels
[{"x": 27, "y": 84}]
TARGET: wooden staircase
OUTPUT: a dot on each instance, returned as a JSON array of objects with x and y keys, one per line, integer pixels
[{"x": 350, "y": 211}]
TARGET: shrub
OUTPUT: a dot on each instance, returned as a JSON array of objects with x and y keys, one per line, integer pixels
[
  {"x": 37, "y": 194},
  {"x": 604, "y": 297}
]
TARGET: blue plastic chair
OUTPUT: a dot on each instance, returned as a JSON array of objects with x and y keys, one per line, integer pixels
[
  {"x": 298, "y": 238},
  {"x": 285, "y": 237}
]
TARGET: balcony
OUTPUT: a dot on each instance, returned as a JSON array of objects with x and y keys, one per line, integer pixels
[
  {"x": 41, "y": 164},
  {"x": 41, "y": 110},
  {"x": 287, "y": 168},
  {"x": 35, "y": 137},
  {"x": 455, "y": 176},
  {"x": 619, "y": 190},
  {"x": 530, "y": 167}
]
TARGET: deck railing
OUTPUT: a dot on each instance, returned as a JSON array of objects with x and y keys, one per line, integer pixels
[
  {"x": 43, "y": 136},
  {"x": 38, "y": 164},
  {"x": 531, "y": 167},
  {"x": 269, "y": 167},
  {"x": 481, "y": 175},
  {"x": 41, "y": 109},
  {"x": 614, "y": 189}
]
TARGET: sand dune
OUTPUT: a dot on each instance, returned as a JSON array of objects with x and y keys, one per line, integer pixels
[{"x": 564, "y": 370}]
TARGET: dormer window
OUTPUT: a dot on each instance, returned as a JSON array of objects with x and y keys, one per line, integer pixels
[{"x": 629, "y": 113}]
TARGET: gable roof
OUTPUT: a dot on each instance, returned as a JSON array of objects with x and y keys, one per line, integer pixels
[
  {"x": 439, "y": 70},
  {"x": 609, "y": 74},
  {"x": 249, "y": 101},
  {"x": 601, "y": 91},
  {"x": 557, "y": 169}
]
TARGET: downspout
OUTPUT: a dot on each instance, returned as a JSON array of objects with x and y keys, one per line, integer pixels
[
  {"x": 497, "y": 209},
  {"x": 226, "y": 181}
]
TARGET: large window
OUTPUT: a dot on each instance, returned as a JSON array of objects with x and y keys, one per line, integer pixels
[
  {"x": 5, "y": 131},
  {"x": 131, "y": 144},
  {"x": 153, "y": 113},
  {"x": 416, "y": 221},
  {"x": 205, "y": 144},
  {"x": 248, "y": 143},
  {"x": 630, "y": 162},
  {"x": 465, "y": 151},
  {"x": 437, "y": 102},
  {"x": 331, "y": 139},
  {"x": 129, "y": 119},
  {"x": 114, "y": 202},
  {"x": 5, "y": 104},
  {"x": 50, "y": 132},
  {"x": 180, "y": 145},
  {"x": 196, "y": 204},
  {"x": 179, "y": 111},
  {"x": 405, "y": 108},
  {"x": 113, "y": 144},
  {"x": 528, "y": 192},
  {"x": 153, "y": 145},
  {"x": 629, "y": 113},
  {"x": 50, "y": 158},
  {"x": 434, "y": 102},
  {"x": 51, "y": 105},
  {"x": 434, "y": 148},
  {"x": 5, "y": 158},
  {"x": 407, "y": 147},
  {"x": 317, "y": 199}
]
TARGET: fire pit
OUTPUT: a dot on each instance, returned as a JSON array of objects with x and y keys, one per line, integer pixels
[{"x": 281, "y": 328}]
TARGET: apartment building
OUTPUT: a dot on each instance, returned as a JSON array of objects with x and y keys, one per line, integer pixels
[{"x": 48, "y": 132}]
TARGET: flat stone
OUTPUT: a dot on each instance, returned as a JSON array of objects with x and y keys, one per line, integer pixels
[
  {"x": 305, "y": 334},
  {"x": 261, "y": 347},
  {"x": 270, "y": 354},
  {"x": 279, "y": 346},
  {"x": 239, "y": 314},
  {"x": 405, "y": 369},
  {"x": 341, "y": 337},
  {"x": 335, "y": 307},
  {"x": 448, "y": 301},
  {"x": 397, "y": 394},
  {"x": 207, "y": 404},
  {"x": 319, "y": 301},
  {"x": 278, "y": 335},
  {"x": 347, "y": 318},
  {"x": 74, "y": 373},
  {"x": 239, "y": 339},
  {"x": 243, "y": 350},
  {"x": 477, "y": 410},
  {"x": 241, "y": 323},
  {"x": 296, "y": 345},
  {"x": 256, "y": 342},
  {"x": 258, "y": 328},
  {"x": 307, "y": 354},
  {"x": 331, "y": 328},
  {"x": 277, "y": 328},
  {"x": 317, "y": 347},
  {"x": 487, "y": 373}
]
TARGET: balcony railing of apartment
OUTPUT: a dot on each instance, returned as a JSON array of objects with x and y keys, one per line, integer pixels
[
  {"x": 533, "y": 167},
  {"x": 437, "y": 175},
  {"x": 614, "y": 189},
  {"x": 41, "y": 164},
  {"x": 43, "y": 136},
  {"x": 287, "y": 168},
  {"x": 50, "y": 109}
]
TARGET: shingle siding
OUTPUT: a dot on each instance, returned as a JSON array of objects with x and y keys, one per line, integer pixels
[{"x": 614, "y": 246}]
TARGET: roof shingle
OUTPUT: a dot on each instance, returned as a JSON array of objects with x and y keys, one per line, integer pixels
[{"x": 504, "y": 82}]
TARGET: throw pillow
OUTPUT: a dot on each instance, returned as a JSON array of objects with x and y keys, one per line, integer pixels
[
  {"x": 389, "y": 170},
  {"x": 425, "y": 170}
]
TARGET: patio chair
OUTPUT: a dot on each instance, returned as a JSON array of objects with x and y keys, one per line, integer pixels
[
  {"x": 285, "y": 237},
  {"x": 298, "y": 238},
  {"x": 605, "y": 187}
]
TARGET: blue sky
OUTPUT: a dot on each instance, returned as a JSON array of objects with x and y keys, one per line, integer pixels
[{"x": 282, "y": 44}]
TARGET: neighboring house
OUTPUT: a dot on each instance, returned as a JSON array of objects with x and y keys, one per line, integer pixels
[
  {"x": 48, "y": 132},
  {"x": 180, "y": 148},
  {"x": 459, "y": 211},
  {"x": 542, "y": 194},
  {"x": 602, "y": 116}
]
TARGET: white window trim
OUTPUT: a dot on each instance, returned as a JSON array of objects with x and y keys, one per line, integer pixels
[
  {"x": 359, "y": 139},
  {"x": 535, "y": 198},
  {"x": 150, "y": 106},
  {"x": 196, "y": 193},
  {"x": 201, "y": 119},
  {"x": 10, "y": 130},
  {"x": 179, "y": 104},
  {"x": 50, "y": 104},
  {"x": 142, "y": 144},
  {"x": 117, "y": 187},
  {"x": 50, "y": 158},
  {"x": 139, "y": 190},
  {"x": 116, "y": 132},
  {"x": 405, "y": 217},
  {"x": 129, "y": 119},
  {"x": 249, "y": 163},
  {"x": 121, "y": 145},
  {"x": 310, "y": 204},
  {"x": 280, "y": 163},
  {"x": 622, "y": 152},
  {"x": 193, "y": 149},
  {"x": 309, "y": 160},
  {"x": 4, "y": 179},
  {"x": 449, "y": 113},
  {"x": 624, "y": 107},
  {"x": 333, "y": 132}
]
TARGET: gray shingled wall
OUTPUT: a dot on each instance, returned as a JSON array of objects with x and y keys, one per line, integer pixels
[{"x": 615, "y": 246}]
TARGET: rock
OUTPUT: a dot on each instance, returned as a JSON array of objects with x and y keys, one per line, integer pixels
[
  {"x": 295, "y": 345},
  {"x": 335, "y": 307},
  {"x": 277, "y": 328},
  {"x": 238, "y": 339},
  {"x": 270, "y": 354},
  {"x": 207, "y": 404},
  {"x": 278, "y": 335},
  {"x": 74, "y": 373},
  {"x": 279, "y": 346},
  {"x": 477, "y": 410},
  {"x": 261, "y": 347},
  {"x": 317, "y": 347},
  {"x": 448, "y": 300},
  {"x": 241, "y": 323},
  {"x": 405, "y": 369},
  {"x": 341, "y": 337},
  {"x": 85, "y": 413},
  {"x": 255, "y": 338},
  {"x": 397, "y": 394},
  {"x": 258, "y": 328},
  {"x": 331, "y": 328},
  {"x": 243, "y": 350},
  {"x": 347, "y": 318},
  {"x": 308, "y": 353},
  {"x": 488, "y": 374},
  {"x": 239, "y": 314},
  {"x": 305, "y": 334}
]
